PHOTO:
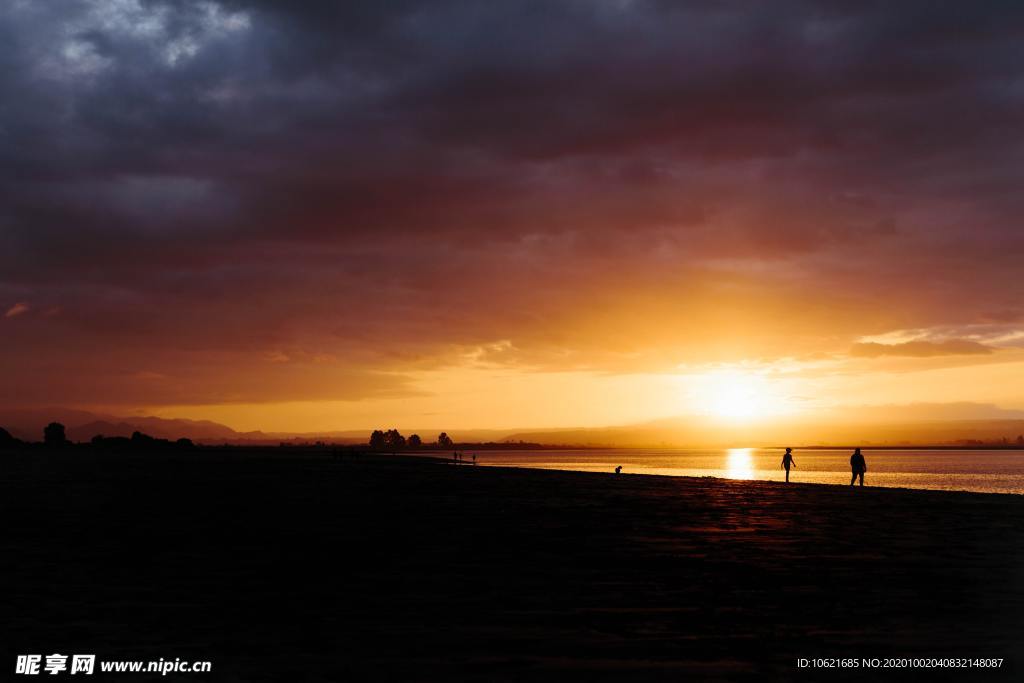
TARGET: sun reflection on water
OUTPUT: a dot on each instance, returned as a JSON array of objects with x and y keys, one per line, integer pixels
[{"x": 739, "y": 464}]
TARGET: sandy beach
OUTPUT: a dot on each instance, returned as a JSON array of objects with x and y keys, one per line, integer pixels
[{"x": 293, "y": 565}]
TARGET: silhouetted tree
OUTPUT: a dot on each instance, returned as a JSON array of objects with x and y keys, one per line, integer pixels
[
  {"x": 53, "y": 434},
  {"x": 184, "y": 443},
  {"x": 415, "y": 441},
  {"x": 444, "y": 441},
  {"x": 378, "y": 441},
  {"x": 394, "y": 439},
  {"x": 140, "y": 439},
  {"x": 7, "y": 440}
]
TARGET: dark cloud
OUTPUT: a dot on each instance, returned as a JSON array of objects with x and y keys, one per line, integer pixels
[{"x": 400, "y": 180}]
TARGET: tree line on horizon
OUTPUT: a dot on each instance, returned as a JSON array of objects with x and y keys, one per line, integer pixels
[
  {"x": 55, "y": 436},
  {"x": 392, "y": 440}
]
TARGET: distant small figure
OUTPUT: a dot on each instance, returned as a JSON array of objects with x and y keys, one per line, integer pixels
[
  {"x": 618, "y": 469},
  {"x": 474, "y": 458},
  {"x": 455, "y": 458},
  {"x": 858, "y": 466},
  {"x": 787, "y": 462}
]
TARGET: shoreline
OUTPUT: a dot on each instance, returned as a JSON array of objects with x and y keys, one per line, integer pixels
[{"x": 728, "y": 480}]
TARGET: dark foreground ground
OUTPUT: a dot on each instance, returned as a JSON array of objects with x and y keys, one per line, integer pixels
[{"x": 291, "y": 566}]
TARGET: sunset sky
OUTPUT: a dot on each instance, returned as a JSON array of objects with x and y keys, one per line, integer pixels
[{"x": 316, "y": 215}]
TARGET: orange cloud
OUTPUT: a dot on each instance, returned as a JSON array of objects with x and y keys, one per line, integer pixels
[
  {"x": 17, "y": 309},
  {"x": 921, "y": 349}
]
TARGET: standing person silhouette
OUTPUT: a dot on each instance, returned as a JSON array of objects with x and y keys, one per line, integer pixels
[
  {"x": 858, "y": 466},
  {"x": 787, "y": 462}
]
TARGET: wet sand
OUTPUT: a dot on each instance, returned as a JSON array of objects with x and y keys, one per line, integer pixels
[{"x": 292, "y": 565}]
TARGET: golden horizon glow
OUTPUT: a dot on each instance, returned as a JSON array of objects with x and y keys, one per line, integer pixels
[{"x": 793, "y": 399}]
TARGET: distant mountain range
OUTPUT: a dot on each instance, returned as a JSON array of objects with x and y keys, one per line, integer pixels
[{"x": 897, "y": 425}]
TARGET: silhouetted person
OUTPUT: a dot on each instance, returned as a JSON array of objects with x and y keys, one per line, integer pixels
[
  {"x": 618, "y": 469},
  {"x": 455, "y": 458},
  {"x": 787, "y": 462},
  {"x": 858, "y": 466},
  {"x": 474, "y": 458}
]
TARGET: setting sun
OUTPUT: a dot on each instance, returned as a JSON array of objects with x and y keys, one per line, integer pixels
[{"x": 735, "y": 395}]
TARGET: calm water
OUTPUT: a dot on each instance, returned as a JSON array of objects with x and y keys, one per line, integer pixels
[{"x": 961, "y": 470}]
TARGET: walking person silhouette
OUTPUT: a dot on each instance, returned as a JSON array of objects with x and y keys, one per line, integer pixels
[
  {"x": 858, "y": 466},
  {"x": 787, "y": 462}
]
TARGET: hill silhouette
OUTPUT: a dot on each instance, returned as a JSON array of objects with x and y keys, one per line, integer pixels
[{"x": 81, "y": 425}]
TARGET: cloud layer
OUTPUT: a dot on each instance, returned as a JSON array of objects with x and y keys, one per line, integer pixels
[
  {"x": 921, "y": 349},
  {"x": 206, "y": 202}
]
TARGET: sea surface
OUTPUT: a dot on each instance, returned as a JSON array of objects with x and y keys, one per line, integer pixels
[{"x": 984, "y": 471}]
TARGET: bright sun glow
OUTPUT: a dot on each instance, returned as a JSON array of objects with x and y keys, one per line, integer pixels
[
  {"x": 737, "y": 396},
  {"x": 742, "y": 395}
]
